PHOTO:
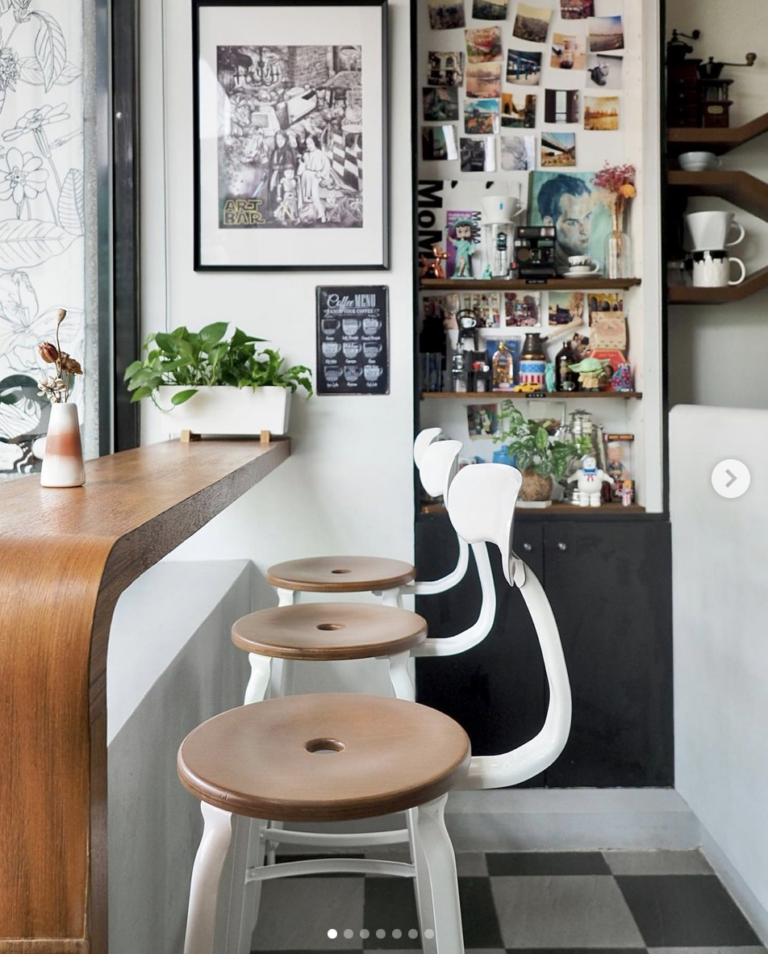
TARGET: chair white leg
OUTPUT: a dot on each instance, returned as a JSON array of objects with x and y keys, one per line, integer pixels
[
  {"x": 286, "y": 597},
  {"x": 392, "y": 597},
  {"x": 258, "y": 684},
  {"x": 422, "y": 888},
  {"x": 206, "y": 873},
  {"x": 402, "y": 684},
  {"x": 252, "y": 889},
  {"x": 434, "y": 849}
]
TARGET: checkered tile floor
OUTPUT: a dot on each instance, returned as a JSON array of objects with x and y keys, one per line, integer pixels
[{"x": 663, "y": 902}]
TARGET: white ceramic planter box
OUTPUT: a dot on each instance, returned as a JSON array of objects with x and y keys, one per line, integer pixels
[{"x": 228, "y": 411}]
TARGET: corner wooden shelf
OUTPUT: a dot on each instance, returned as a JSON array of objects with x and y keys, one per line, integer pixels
[
  {"x": 718, "y": 141},
  {"x": 687, "y": 295},
  {"x": 740, "y": 188},
  {"x": 66, "y": 557},
  {"x": 544, "y": 396},
  {"x": 557, "y": 510},
  {"x": 593, "y": 283}
]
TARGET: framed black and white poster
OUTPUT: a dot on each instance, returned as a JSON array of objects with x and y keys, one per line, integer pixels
[
  {"x": 290, "y": 134},
  {"x": 353, "y": 339}
]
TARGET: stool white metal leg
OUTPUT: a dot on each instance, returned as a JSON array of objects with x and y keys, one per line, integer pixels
[
  {"x": 402, "y": 684},
  {"x": 391, "y": 597},
  {"x": 286, "y": 597},
  {"x": 206, "y": 875},
  {"x": 251, "y": 889},
  {"x": 259, "y": 682},
  {"x": 434, "y": 848}
]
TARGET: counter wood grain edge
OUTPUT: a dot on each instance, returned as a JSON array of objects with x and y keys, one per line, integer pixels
[{"x": 66, "y": 557}]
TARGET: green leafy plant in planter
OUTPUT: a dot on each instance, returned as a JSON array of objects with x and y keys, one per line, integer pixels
[
  {"x": 206, "y": 358},
  {"x": 538, "y": 456}
]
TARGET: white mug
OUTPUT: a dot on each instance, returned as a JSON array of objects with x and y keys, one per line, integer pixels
[
  {"x": 709, "y": 231},
  {"x": 699, "y": 161},
  {"x": 583, "y": 264},
  {"x": 713, "y": 270}
]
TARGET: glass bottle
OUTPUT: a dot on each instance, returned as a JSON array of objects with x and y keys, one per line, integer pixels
[
  {"x": 533, "y": 361},
  {"x": 618, "y": 250},
  {"x": 503, "y": 369},
  {"x": 565, "y": 379}
]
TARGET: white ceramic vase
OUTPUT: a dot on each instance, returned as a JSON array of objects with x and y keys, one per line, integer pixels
[{"x": 63, "y": 461}]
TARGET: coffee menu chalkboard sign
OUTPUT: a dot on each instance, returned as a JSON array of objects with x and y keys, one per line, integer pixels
[{"x": 353, "y": 339}]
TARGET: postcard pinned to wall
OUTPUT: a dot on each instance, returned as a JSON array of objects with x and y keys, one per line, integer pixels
[
  {"x": 604, "y": 71},
  {"x": 532, "y": 23},
  {"x": 445, "y": 69},
  {"x": 441, "y": 103},
  {"x": 483, "y": 81},
  {"x": 482, "y": 421},
  {"x": 518, "y": 153},
  {"x": 522, "y": 309},
  {"x": 601, "y": 113},
  {"x": 518, "y": 110},
  {"x": 558, "y": 149},
  {"x": 489, "y": 9},
  {"x": 568, "y": 52},
  {"x": 524, "y": 67},
  {"x": 561, "y": 106},
  {"x": 484, "y": 45},
  {"x": 446, "y": 14},
  {"x": 438, "y": 144},
  {"x": 606, "y": 34},
  {"x": 481, "y": 117},
  {"x": 577, "y": 9},
  {"x": 478, "y": 155}
]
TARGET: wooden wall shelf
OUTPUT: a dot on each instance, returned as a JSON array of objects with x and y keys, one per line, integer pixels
[
  {"x": 740, "y": 188},
  {"x": 505, "y": 396},
  {"x": 718, "y": 141},
  {"x": 558, "y": 510},
  {"x": 502, "y": 284},
  {"x": 687, "y": 295},
  {"x": 66, "y": 557}
]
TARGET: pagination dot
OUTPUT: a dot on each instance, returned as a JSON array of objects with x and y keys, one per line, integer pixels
[
  {"x": 381, "y": 933},
  {"x": 365, "y": 933},
  {"x": 349, "y": 933},
  {"x": 429, "y": 934},
  {"x": 397, "y": 933},
  {"x": 413, "y": 933},
  {"x": 332, "y": 933}
]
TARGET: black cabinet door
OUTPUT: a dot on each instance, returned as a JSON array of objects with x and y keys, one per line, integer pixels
[
  {"x": 496, "y": 690},
  {"x": 610, "y": 588}
]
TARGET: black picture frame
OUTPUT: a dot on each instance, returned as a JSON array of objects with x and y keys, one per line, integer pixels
[{"x": 321, "y": 5}]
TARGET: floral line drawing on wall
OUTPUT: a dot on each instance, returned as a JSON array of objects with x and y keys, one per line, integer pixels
[{"x": 42, "y": 212}]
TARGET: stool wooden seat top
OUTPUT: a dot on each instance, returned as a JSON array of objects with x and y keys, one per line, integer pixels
[
  {"x": 329, "y": 631},
  {"x": 341, "y": 574},
  {"x": 324, "y": 757}
]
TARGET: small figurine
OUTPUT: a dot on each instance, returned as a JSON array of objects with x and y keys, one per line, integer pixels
[
  {"x": 591, "y": 371},
  {"x": 464, "y": 244},
  {"x": 433, "y": 269},
  {"x": 623, "y": 379},
  {"x": 487, "y": 272},
  {"x": 503, "y": 369},
  {"x": 627, "y": 493},
  {"x": 590, "y": 480}
]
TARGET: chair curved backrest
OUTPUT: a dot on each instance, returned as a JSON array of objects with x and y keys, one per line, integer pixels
[
  {"x": 423, "y": 440},
  {"x": 482, "y": 509},
  {"x": 482, "y": 506},
  {"x": 439, "y": 465}
]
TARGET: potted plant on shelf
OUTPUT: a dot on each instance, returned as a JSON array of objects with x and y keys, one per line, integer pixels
[
  {"x": 215, "y": 384},
  {"x": 538, "y": 456}
]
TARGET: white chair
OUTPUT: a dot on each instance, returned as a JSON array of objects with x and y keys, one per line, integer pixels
[
  {"x": 379, "y": 755},
  {"x": 365, "y": 574}
]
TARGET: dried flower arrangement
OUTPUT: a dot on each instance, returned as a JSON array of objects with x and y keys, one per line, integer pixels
[
  {"x": 619, "y": 184},
  {"x": 57, "y": 387}
]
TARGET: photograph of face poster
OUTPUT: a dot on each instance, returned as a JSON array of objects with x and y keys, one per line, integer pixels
[
  {"x": 524, "y": 67},
  {"x": 577, "y": 9},
  {"x": 601, "y": 113},
  {"x": 286, "y": 119},
  {"x": 569, "y": 202},
  {"x": 353, "y": 339}
]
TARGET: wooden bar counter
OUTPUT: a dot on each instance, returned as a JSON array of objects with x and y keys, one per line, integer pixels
[{"x": 65, "y": 558}]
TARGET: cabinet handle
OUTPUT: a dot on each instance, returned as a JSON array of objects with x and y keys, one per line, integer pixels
[
  {"x": 562, "y": 546},
  {"x": 528, "y": 547}
]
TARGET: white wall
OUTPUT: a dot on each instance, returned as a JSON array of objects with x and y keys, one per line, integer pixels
[
  {"x": 716, "y": 351},
  {"x": 720, "y": 551},
  {"x": 348, "y": 486}
]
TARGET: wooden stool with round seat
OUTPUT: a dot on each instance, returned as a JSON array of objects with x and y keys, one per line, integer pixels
[
  {"x": 365, "y": 574},
  {"x": 340, "y": 757}
]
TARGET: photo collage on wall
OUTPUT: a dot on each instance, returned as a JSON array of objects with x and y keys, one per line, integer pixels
[{"x": 514, "y": 66}]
